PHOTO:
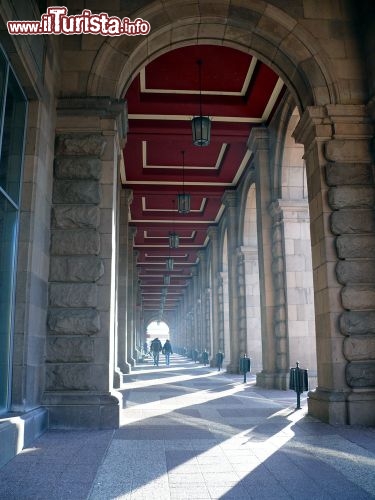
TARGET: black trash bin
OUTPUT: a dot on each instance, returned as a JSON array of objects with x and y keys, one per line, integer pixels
[{"x": 298, "y": 382}]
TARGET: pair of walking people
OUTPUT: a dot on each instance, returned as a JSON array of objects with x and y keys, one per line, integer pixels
[{"x": 157, "y": 347}]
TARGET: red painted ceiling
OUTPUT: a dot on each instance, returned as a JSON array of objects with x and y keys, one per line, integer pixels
[{"x": 237, "y": 92}]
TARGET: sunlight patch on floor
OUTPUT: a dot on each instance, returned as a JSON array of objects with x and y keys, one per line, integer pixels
[
  {"x": 137, "y": 412},
  {"x": 165, "y": 380}
]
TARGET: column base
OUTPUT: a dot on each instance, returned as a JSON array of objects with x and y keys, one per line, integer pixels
[
  {"x": 276, "y": 380},
  {"x": 19, "y": 430},
  {"x": 213, "y": 363},
  {"x": 131, "y": 361},
  {"x": 78, "y": 410},
  {"x": 124, "y": 367},
  {"x": 232, "y": 368},
  {"x": 118, "y": 377},
  {"x": 328, "y": 406},
  {"x": 361, "y": 408}
]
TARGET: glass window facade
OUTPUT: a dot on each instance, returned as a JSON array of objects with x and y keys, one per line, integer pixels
[{"x": 13, "y": 108}]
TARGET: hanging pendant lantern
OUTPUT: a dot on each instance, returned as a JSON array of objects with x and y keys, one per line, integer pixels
[
  {"x": 174, "y": 240},
  {"x": 183, "y": 199},
  {"x": 201, "y": 128},
  {"x": 201, "y": 125},
  {"x": 183, "y": 203},
  {"x": 169, "y": 264}
]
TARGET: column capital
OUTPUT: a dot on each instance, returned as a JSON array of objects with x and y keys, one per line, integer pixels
[
  {"x": 313, "y": 124},
  {"x": 229, "y": 198},
  {"x": 194, "y": 271},
  {"x": 132, "y": 233},
  {"x": 104, "y": 107},
  {"x": 250, "y": 252},
  {"x": 128, "y": 196},
  {"x": 345, "y": 128},
  {"x": 224, "y": 276},
  {"x": 290, "y": 209},
  {"x": 258, "y": 139},
  {"x": 239, "y": 254},
  {"x": 371, "y": 107},
  {"x": 213, "y": 233},
  {"x": 202, "y": 255}
]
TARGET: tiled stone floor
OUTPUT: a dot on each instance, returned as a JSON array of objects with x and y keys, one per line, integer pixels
[{"x": 190, "y": 432}]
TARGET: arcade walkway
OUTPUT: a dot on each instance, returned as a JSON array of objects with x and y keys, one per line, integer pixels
[{"x": 191, "y": 432}]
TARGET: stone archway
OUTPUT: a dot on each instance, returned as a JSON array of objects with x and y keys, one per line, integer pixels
[
  {"x": 335, "y": 131},
  {"x": 262, "y": 29},
  {"x": 250, "y": 252}
]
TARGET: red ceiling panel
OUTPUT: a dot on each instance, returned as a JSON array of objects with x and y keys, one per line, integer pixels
[{"x": 238, "y": 92}]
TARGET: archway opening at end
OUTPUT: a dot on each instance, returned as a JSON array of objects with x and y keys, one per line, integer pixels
[{"x": 158, "y": 329}]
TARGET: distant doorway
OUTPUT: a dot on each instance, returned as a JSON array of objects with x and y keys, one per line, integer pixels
[{"x": 158, "y": 329}]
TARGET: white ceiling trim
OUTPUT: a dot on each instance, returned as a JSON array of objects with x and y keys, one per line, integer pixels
[
  {"x": 242, "y": 166},
  {"x": 245, "y": 85},
  {"x": 229, "y": 119},
  {"x": 172, "y": 183},
  {"x": 158, "y": 221},
  {"x": 275, "y": 94},
  {"x": 186, "y": 167},
  {"x": 147, "y": 237},
  {"x": 145, "y": 209}
]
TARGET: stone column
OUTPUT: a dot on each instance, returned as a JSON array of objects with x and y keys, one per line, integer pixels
[
  {"x": 130, "y": 297},
  {"x": 198, "y": 323},
  {"x": 282, "y": 361},
  {"x": 237, "y": 347},
  {"x": 258, "y": 144},
  {"x": 254, "y": 334},
  {"x": 137, "y": 323},
  {"x": 185, "y": 327},
  {"x": 223, "y": 280},
  {"x": 341, "y": 195},
  {"x": 136, "y": 304},
  {"x": 215, "y": 315},
  {"x": 205, "y": 326},
  {"x": 80, "y": 346},
  {"x": 208, "y": 312},
  {"x": 294, "y": 316},
  {"x": 126, "y": 198},
  {"x": 221, "y": 328},
  {"x": 189, "y": 319},
  {"x": 241, "y": 311},
  {"x": 194, "y": 303}
]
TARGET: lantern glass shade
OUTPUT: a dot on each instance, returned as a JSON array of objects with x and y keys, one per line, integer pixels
[
  {"x": 167, "y": 279},
  {"x": 174, "y": 240},
  {"x": 169, "y": 264},
  {"x": 183, "y": 203},
  {"x": 201, "y": 128}
]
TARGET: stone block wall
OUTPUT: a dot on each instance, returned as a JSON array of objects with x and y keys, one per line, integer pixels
[
  {"x": 75, "y": 266},
  {"x": 80, "y": 340},
  {"x": 299, "y": 286},
  {"x": 353, "y": 223},
  {"x": 254, "y": 338}
]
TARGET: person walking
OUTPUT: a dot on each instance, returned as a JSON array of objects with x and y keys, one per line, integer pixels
[
  {"x": 219, "y": 360},
  {"x": 167, "y": 351},
  {"x": 155, "y": 349},
  {"x": 195, "y": 355},
  {"x": 205, "y": 357},
  {"x": 145, "y": 348}
]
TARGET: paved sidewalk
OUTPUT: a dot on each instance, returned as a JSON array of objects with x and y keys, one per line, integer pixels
[{"x": 190, "y": 432}]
